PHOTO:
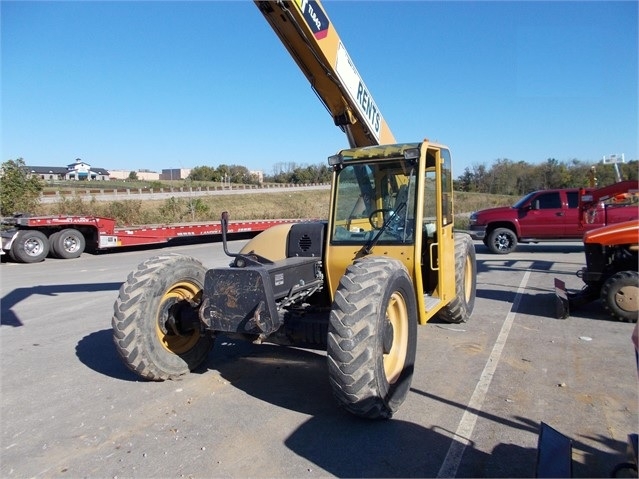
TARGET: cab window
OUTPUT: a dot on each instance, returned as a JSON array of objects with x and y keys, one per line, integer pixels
[
  {"x": 372, "y": 199},
  {"x": 573, "y": 199},
  {"x": 547, "y": 201}
]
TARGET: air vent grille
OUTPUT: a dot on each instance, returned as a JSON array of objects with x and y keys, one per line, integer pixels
[{"x": 305, "y": 243}]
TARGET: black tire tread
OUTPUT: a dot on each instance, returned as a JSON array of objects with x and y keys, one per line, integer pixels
[
  {"x": 491, "y": 240},
  {"x": 132, "y": 339},
  {"x": 458, "y": 310},
  {"x": 53, "y": 239},
  {"x": 606, "y": 293},
  {"x": 17, "y": 252},
  {"x": 349, "y": 356},
  {"x": 58, "y": 247}
]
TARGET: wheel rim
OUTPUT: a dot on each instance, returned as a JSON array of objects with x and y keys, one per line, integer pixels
[
  {"x": 627, "y": 298},
  {"x": 468, "y": 279},
  {"x": 168, "y": 337},
  {"x": 33, "y": 246},
  {"x": 397, "y": 316},
  {"x": 502, "y": 242},
  {"x": 70, "y": 244}
]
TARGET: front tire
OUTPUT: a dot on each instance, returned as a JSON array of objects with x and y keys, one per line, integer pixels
[
  {"x": 461, "y": 307},
  {"x": 372, "y": 337},
  {"x": 156, "y": 326},
  {"x": 620, "y": 296},
  {"x": 502, "y": 241}
]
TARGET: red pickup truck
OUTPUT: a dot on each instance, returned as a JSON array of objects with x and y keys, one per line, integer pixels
[{"x": 554, "y": 215}]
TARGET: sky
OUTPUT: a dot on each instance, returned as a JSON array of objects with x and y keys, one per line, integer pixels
[{"x": 158, "y": 84}]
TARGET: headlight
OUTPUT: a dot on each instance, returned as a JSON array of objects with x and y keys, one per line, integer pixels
[{"x": 472, "y": 219}]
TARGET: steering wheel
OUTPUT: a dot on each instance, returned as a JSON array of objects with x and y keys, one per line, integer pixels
[{"x": 384, "y": 212}]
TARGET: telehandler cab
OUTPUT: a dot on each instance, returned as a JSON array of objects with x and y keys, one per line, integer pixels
[{"x": 356, "y": 285}]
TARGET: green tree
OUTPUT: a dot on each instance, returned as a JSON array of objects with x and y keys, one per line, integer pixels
[
  {"x": 197, "y": 208},
  {"x": 19, "y": 191},
  {"x": 133, "y": 176},
  {"x": 171, "y": 210},
  {"x": 239, "y": 174},
  {"x": 293, "y": 173},
  {"x": 202, "y": 173}
]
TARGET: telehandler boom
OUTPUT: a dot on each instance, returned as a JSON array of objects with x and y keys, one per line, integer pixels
[
  {"x": 311, "y": 39},
  {"x": 356, "y": 285}
]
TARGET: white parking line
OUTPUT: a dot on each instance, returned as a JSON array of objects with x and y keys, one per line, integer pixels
[{"x": 465, "y": 429}]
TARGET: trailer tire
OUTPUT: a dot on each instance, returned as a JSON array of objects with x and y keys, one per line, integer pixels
[
  {"x": 372, "y": 337},
  {"x": 148, "y": 333},
  {"x": 29, "y": 246},
  {"x": 67, "y": 244},
  {"x": 620, "y": 296},
  {"x": 460, "y": 308},
  {"x": 502, "y": 241},
  {"x": 52, "y": 240}
]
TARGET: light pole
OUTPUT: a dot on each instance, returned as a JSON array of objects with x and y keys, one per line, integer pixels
[{"x": 614, "y": 160}]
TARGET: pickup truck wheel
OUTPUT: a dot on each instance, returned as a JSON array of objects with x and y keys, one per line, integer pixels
[
  {"x": 29, "y": 246},
  {"x": 156, "y": 327},
  {"x": 372, "y": 337},
  {"x": 502, "y": 241},
  {"x": 68, "y": 243},
  {"x": 620, "y": 296},
  {"x": 461, "y": 307}
]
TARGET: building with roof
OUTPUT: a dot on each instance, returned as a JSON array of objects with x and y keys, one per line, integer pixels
[
  {"x": 144, "y": 175},
  {"x": 79, "y": 170},
  {"x": 175, "y": 174}
]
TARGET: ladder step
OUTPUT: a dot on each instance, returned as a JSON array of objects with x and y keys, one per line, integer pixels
[{"x": 430, "y": 302}]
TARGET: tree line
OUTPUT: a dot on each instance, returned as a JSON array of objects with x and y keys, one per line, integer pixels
[
  {"x": 503, "y": 177},
  {"x": 223, "y": 174},
  {"x": 507, "y": 177},
  {"x": 19, "y": 191},
  {"x": 282, "y": 173}
]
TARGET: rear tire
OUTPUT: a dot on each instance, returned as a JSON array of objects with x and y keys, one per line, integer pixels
[
  {"x": 461, "y": 307},
  {"x": 620, "y": 296},
  {"x": 502, "y": 241},
  {"x": 372, "y": 337},
  {"x": 53, "y": 238},
  {"x": 68, "y": 243},
  {"x": 156, "y": 328},
  {"x": 29, "y": 246}
]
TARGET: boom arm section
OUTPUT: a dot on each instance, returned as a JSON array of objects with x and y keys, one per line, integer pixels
[{"x": 310, "y": 38}]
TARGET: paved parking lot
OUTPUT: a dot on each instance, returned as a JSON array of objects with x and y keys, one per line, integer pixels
[{"x": 71, "y": 409}]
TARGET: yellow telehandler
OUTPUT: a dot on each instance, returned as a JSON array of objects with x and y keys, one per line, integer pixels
[{"x": 358, "y": 284}]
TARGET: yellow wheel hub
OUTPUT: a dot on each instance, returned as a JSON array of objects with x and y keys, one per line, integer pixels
[
  {"x": 397, "y": 315},
  {"x": 468, "y": 279},
  {"x": 170, "y": 339}
]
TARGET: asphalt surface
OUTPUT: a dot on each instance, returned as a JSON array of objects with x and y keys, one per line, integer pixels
[{"x": 70, "y": 408}]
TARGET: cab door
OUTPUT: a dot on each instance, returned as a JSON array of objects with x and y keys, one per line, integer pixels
[
  {"x": 544, "y": 216},
  {"x": 438, "y": 247}
]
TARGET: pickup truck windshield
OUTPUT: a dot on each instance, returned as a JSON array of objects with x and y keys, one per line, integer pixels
[
  {"x": 375, "y": 200},
  {"x": 523, "y": 200}
]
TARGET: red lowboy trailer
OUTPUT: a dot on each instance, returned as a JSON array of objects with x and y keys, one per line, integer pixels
[{"x": 30, "y": 239}]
